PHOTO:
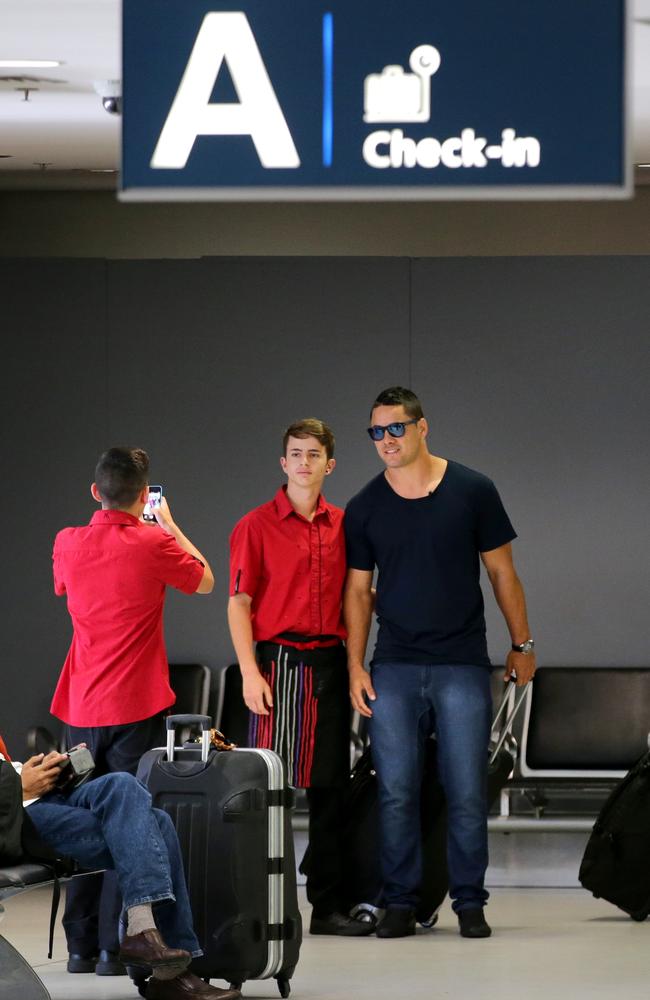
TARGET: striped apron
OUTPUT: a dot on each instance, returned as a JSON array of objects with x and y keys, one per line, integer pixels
[{"x": 309, "y": 724}]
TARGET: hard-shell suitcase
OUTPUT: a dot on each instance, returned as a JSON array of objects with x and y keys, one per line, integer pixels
[
  {"x": 616, "y": 862},
  {"x": 231, "y": 810},
  {"x": 362, "y": 868}
]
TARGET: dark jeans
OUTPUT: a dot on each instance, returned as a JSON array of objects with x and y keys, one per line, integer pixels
[
  {"x": 413, "y": 701},
  {"x": 93, "y": 904},
  {"x": 110, "y": 823},
  {"x": 322, "y": 863}
]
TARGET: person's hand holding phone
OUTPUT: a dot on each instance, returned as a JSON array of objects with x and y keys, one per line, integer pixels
[{"x": 163, "y": 516}]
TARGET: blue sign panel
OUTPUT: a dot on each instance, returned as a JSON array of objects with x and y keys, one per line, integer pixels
[{"x": 374, "y": 99}]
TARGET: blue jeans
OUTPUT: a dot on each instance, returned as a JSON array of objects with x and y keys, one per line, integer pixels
[
  {"x": 414, "y": 700},
  {"x": 109, "y": 823}
]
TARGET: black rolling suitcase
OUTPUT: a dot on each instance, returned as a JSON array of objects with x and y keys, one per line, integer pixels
[
  {"x": 616, "y": 862},
  {"x": 231, "y": 810},
  {"x": 362, "y": 875}
]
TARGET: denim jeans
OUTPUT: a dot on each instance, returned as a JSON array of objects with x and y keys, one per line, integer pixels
[
  {"x": 414, "y": 700},
  {"x": 109, "y": 823}
]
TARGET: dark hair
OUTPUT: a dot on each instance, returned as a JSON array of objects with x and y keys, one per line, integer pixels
[
  {"x": 121, "y": 474},
  {"x": 310, "y": 427},
  {"x": 397, "y": 395}
]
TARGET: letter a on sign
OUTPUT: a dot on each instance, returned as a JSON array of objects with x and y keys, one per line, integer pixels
[{"x": 225, "y": 36}]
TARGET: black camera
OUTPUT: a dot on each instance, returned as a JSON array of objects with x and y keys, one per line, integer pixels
[{"x": 77, "y": 768}]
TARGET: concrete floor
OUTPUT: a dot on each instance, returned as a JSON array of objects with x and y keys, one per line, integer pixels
[{"x": 551, "y": 944}]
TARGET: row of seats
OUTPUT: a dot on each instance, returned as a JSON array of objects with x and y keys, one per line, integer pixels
[{"x": 582, "y": 730}]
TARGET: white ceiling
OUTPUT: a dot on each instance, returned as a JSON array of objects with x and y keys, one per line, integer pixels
[{"x": 64, "y": 125}]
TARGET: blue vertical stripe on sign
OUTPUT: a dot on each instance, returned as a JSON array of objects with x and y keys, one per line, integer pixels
[{"x": 328, "y": 123}]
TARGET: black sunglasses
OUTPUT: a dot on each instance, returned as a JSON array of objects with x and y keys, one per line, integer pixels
[{"x": 395, "y": 430}]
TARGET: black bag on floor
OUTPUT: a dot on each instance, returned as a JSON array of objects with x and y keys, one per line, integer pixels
[
  {"x": 362, "y": 877},
  {"x": 616, "y": 862},
  {"x": 232, "y": 813}
]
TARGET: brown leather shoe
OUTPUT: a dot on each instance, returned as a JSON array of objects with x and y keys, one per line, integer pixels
[
  {"x": 187, "y": 986},
  {"x": 149, "y": 949}
]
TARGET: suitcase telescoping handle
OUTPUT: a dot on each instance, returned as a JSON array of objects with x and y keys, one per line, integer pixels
[
  {"x": 518, "y": 701},
  {"x": 204, "y": 721}
]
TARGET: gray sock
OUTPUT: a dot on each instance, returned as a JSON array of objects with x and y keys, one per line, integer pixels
[{"x": 140, "y": 918}]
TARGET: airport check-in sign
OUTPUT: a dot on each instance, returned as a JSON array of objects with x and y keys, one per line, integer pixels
[{"x": 374, "y": 99}]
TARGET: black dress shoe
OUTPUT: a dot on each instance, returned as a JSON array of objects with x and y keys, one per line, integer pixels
[
  {"x": 341, "y": 925},
  {"x": 108, "y": 964},
  {"x": 149, "y": 949},
  {"x": 472, "y": 923},
  {"x": 187, "y": 986},
  {"x": 397, "y": 922},
  {"x": 81, "y": 963}
]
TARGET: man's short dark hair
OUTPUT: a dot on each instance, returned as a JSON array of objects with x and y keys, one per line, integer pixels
[
  {"x": 310, "y": 427},
  {"x": 397, "y": 395},
  {"x": 121, "y": 474}
]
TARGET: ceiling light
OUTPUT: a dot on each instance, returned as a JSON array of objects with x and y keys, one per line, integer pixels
[
  {"x": 643, "y": 166},
  {"x": 29, "y": 63}
]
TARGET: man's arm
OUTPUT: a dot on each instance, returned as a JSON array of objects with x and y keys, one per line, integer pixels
[
  {"x": 257, "y": 693},
  {"x": 357, "y": 612},
  {"x": 39, "y": 774},
  {"x": 509, "y": 595},
  {"x": 164, "y": 518}
]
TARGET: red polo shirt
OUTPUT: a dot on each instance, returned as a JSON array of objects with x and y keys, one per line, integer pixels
[
  {"x": 114, "y": 572},
  {"x": 292, "y": 569}
]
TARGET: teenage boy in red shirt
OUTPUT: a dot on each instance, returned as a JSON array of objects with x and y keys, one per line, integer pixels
[
  {"x": 287, "y": 570},
  {"x": 114, "y": 686}
]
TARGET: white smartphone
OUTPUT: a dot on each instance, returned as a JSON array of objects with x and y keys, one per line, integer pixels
[{"x": 155, "y": 493}]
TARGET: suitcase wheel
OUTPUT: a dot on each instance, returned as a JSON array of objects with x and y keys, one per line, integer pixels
[
  {"x": 430, "y": 921},
  {"x": 236, "y": 986},
  {"x": 639, "y": 917},
  {"x": 284, "y": 986}
]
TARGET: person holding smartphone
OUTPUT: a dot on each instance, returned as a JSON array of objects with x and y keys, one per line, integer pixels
[
  {"x": 426, "y": 523},
  {"x": 114, "y": 687}
]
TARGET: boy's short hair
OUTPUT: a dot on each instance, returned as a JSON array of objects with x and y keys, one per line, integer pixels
[
  {"x": 310, "y": 427},
  {"x": 121, "y": 474},
  {"x": 397, "y": 395}
]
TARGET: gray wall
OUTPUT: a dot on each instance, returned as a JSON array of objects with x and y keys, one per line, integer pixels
[
  {"x": 530, "y": 369},
  {"x": 50, "y": 223}
]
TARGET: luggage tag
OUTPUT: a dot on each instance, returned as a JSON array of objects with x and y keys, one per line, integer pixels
[{"x": 219, "y": 741}]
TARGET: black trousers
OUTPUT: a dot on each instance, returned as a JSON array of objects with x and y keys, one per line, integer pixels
[
  {"x": 323, "y": 860},
  {"x": 93, "y": 904}
]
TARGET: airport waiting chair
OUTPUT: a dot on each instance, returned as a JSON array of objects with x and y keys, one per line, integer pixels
[{"x": 583, "y": 729}]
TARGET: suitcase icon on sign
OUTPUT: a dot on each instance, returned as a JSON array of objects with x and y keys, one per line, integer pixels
[{"x": 397, "y": 96}]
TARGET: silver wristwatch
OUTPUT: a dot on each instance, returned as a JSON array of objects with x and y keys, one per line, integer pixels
[{"x": 524, "y": 647}]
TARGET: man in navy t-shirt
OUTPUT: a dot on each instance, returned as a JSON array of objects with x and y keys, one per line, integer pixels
[{"x": 426, "y": 523}]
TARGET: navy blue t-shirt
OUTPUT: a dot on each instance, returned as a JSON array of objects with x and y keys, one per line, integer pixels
[{"x": 429, "y": 601}]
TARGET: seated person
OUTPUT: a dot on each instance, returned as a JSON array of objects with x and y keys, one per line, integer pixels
[{"x": 110, "y": 823}]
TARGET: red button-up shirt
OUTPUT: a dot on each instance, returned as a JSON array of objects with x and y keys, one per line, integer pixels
[
  {"x": 114, "y": 572},
  {"x": 292, "y": 569}
]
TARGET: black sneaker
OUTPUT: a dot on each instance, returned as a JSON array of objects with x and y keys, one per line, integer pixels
[
  {"x": 398, "y": 922},
  {"x": 472, "y": 923},
  {"x": 341, "y": 925}
]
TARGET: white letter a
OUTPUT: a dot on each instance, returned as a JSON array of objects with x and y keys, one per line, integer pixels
[{"x": 225, "y": 36}]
